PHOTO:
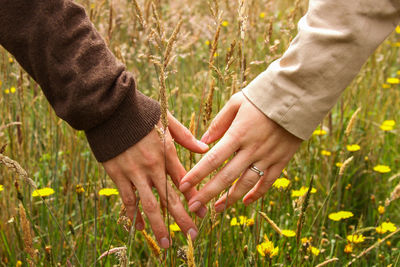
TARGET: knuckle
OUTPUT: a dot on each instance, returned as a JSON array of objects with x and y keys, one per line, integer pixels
[
  {"x": 225, "y": 178},
  {"x": 129, "y": 201},
  {"x": 211, "y": 159},
  {"x": 150, "y": 206}
]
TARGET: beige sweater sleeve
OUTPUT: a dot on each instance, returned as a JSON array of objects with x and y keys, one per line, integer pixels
[{"x": 334, "y": 40}]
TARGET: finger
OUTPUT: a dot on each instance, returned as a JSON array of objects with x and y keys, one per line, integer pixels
[
  {"x": 210, "y": 162},
  {"x": 177, "y": 172},
  {"x": 263, "y": 184},
  {"x": 246, "y": 182},
  {"x": 222, "y": 180},
  {"x": 170, "y": 199},
  {"x": 222, "y": 121},
  {"x": 184, "y": 137},
  {"x": 151, "y": 208}
]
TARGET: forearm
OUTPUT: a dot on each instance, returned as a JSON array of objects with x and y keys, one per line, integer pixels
[
  {"x": 55, "y": 42},
  {"x": 335, "y": 39}
]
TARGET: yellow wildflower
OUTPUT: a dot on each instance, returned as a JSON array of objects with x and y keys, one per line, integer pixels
[
  {"x": 356, "y": 238},
  {"x": 381, "y": 209},
  {"x": 262, "y": 15},
  {"x": 340, "y": 215},
  {"x": 174, "y": 228},
  {"x": 108, "y": 192},
  {"x": 306, "y": 240},
  {"x": 387, "y": 125},
  {"x": 326, "y": 153},
  {"x": 235, "y": 222},
  {"x": 314, "y": 250},
  {"x": 281, "y": 183},
  {"x": 302, "y": 191},
  {"x": 18, "y": 264},
  {"x": 12, "y": 90},
  {"x": 44, "y": 192},
  {"x": 1, "y": 187},
  {"x": 398, "y": 29},
  {"x": 319, "y": 132},
  {"x": 250, "y": 222},
  {"x": 385, "y": 86},
  {"x": 348, "y": 248},
  {"x": 10, "y": 59},
  {"x": 207, "y": 42},
  {"x": 267, "y": 248},
  {"x": 398, "y": 72},
  {"x": 353, "y": 148},
  {"x": 393, "y": 80},
  {"x": 92, "y": 6},
  {"x": 225, "y": 23},
  {"x": 79, "y": 189},
  {"x": 7, "y": 91},
  {"x": 288, "y": 233},
  {"x": 296, "y": 178},
  {"x": 385, "y": 227},
  {"x": 382, "y": 168}
]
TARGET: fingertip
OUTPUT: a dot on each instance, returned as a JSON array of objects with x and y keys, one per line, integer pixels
[
  {"x": 203, "y": 146},
  {"x": 185, "y": 186}
]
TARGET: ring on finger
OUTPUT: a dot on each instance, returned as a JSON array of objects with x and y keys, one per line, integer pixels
[{"x": 256, "y": 170}]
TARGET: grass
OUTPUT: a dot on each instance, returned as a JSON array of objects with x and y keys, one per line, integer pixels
[{"x": 85, "y": 226}]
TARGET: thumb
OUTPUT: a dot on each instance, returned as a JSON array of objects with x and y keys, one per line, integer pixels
[
  {"x": 184, "y": 137},
  {"x": 223, "y": 120}
]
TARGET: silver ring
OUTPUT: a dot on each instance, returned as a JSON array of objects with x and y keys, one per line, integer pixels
[{"x": 257, "y": 170}]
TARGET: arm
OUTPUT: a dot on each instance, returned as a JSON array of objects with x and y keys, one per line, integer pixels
[
  {"x": 266, "y": 123},
  {"x": 55, "y": 42}
]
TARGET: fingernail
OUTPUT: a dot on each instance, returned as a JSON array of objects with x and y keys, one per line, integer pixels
[
  {"x": 139, "y": 226},
  {"x": 193, "y": 233},
  {"x": 164, "y": 242},
  {"x": 204, "y": 138},
  {"x": 220, "y": 207},
  {"x": 202, "y": 145},
  {"x": 195, "y": 206},
  {"x": 184, "y": 187},
  {"x": 247, "y": 201},
  {"x": 202, "y": 212}
]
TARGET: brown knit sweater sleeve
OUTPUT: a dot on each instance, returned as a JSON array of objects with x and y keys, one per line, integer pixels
[{"x": 54, "y": 41}]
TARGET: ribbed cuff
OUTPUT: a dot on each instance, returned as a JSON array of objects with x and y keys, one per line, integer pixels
[{"x": 134, "y": 119}]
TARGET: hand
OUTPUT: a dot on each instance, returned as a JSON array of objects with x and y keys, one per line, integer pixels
[
  {"x": 142, "y": 167},
  {"x": 256, "y": 140}
]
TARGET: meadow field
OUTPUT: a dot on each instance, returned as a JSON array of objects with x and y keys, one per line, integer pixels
[{"x": 335, "y": 204}]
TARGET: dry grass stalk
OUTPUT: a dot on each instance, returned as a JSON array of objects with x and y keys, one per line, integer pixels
[
  {"x": 344, "y": 165},
  {"x": 123, "y": 219},
  {"x": 139, "y": 14},
  {"x": 242, "y": 18},
  {"x": 112, "y": 251},
  {"x": 363, "y": 253},
  {"x": 271, "y": 222},
  {"x": 208, "y": 104},
  {"x": 214, "y": 45},
  {"x": 351, "y": 122},
  {"x": 234, "y": 84},
  {"x": 15, "y": 167},
  {"x": 300, "y": 221},
  {"x": 159, "y": 27},
  {"x": 327, "y": 262},
  {"x": 152, "y": 244},
  {"x": 170, "y": 44},
  {"x": 395, "y": 194},
  {"x": 26, "y": 230},
  {"x": 192, "y": 125},
  {"x": 163, "y": 100},
  {"x": 190, "y": 253}
]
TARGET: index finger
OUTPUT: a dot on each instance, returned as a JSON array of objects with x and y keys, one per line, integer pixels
[{"x": 210, "y": 162}]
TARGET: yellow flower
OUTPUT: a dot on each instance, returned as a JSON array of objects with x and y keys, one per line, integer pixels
[
  {"x": 235, "y": 222},
  {"x": 385, "y": 86},
  {"x": 306, "y": 240},
  {"x": 79, "y": 189},
  {"x": 92, "y": 6},
  {"x": 288, "y": 233},
  {"x": 386, "y": 226},
  {"x": 250, "y": 222},
  {"x": 296, "y": 178},
  {"x": 348, "y": 248},
  {"x": 314, "y": 250},
  {"x": 302, "y": 191},
  {"x": 281, "y": 183},
  {"x": 108, "y": 192},
  {"x": 262, "y": 15},
  {"x": 7, "y": 91},
  {"x": 10, "y": 59},
  {"x": 340, "y": 215},
  {"x": 398, "y": 29},
  {"x": 382, "y": 168},
  {"x": 353, "y": 148},
  {"x": 398, "y": 72},
  {"x": 393, "y": 80},
  {"x": 319, "y": 132},
  {"x": 1, "y": 187},
  {"x": 356, "y": 238},
  {"x": 174, "y": 228},
  {"x": 387, "y": 125},
  {"x": 267, "y": 248},
  {"x": 381, "y": 209},
  {"x": 12, "y": 90},
  {"x": 326, "y": 153},
  {"x": 44, "y": 192},
  {"x": 207, "y": 42},
  {"x": 225, "y": 23},
  {"x": 18, "y": 264}
]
